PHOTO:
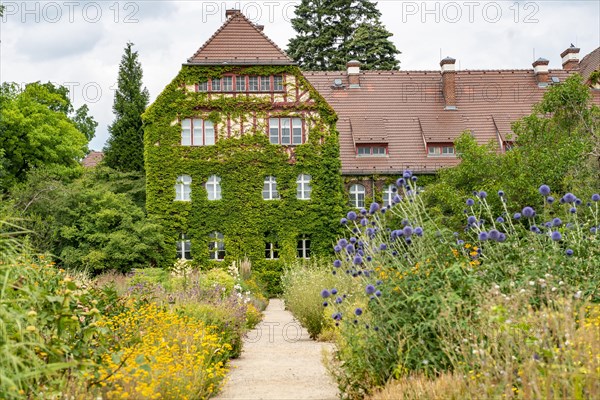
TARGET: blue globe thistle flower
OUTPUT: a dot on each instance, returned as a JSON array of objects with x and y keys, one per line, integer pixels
[
  {"x": 578, "y": 202},
  {"x": 353, "y": 240},
  {"x": 535, "y": 229},
  {"x": 544, "y": 190},
  {"x": 342, "y": 242},
  {"x": 517, "y": 216},
  {"x": 470, "y": 202},
  {"x": 325, "y": 304},
  {"x": 358, "y": 260},
  {"x": 370, "y": 289},
  {"x": 593, "y": 229},
  {"x": 596, "y": 197},
  {"x": 337, "y": 248},
  {"x": 338, "y": 300},
  {"x": 404, "y": 222},
  {"x": 494, "y": 234},
  {"x": 382, "y": 246},
  {"x": 379, "y": 282},
  {"x": 369, "y": 258},
  {"x": 383, "y": 210},
  {"x": 358, "y": 311},
  {"x": 570, "y": 225},
  {"x": 355, "y": 230},
  {"x": 556, "y": 236},
  {"x": 352, "y": 216},
  {"x": 394, "y": 189},
  {"x": 325, "y": 293},
  {"x": 343, "y": 221},
  {"x": 569, "y": 252},
  {"x": 569, "y": 197},
  {"x": 589, "y": 204},
  {"x": 350, "y": 249},
  {"x": 363, "y": 211},
  {"x": 549, "y": 199},
  {"x": 572, "y": 210},
  {"x": 400, "y": 182},
  {"x": 548, "y": 224},
  {"x": 419, "y": 231},
  {"x": 334, "y": 291},
  {"x": 500, "y": 220},
  {"x": 414, "y": 178},
  {"x": 528, "y": 212},
  {"x": 407, "y": 174},
  {"x": 460, "y": 242},
  {"x": 408, "y": 231},
  {"x": 472, "y": 220},
  {"x": 502, "y": 237},
  {"x": 378, "y": 293},
  {"x": 396, "y": 199},
  {"x": 373, "y": 208},
  {"x": 482, "y": 194},
  {"x": 394, "y": 253},
  {"x": 556, "y": 222},
  {"x": 501, "y": 193},
  {"x": 562, "y": 200},
  {"x": 483, "y": 236},
  {"x": 408, "y": 240}
]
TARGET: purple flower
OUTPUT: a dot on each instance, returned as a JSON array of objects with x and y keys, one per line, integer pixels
[
  {"x": 502, "y": 237},
  {"x": 353, "y": 240},
  {"x": 494, "y": 234},
  {"x": 544, "y": 190},
  {"x": 596, "y": 197},
  {"x": 500, "y": 220},
  {"x": 482, "y": 195},
  {"x": 364, "y": 221},
  {"x": 342, "y": 242},
  {"x": 569, "y": 197},
  {"x": 350, "y": 249},
  {"x": 528, "y": 212},
  {"x": 483, "y": 236},
  {"x": 535, "y": 229},
  {"x": 337, "y": 263},
  {"x": 396, "y": 199},
  {"x": 358, "y": 260},
  {"x": 472, "y": 220},
  {"x": 470, "y": 202},
  {"x": 343, "y": 221},
  {"x": 569, "y": 252},
  {"x": 593, "y": 229},
  {"x": 325, "y": 293},
  {"x": 337, "y": 248},
  {"x": 578, "y": 202},
  {"x": 408, "y": 231},
  {"x": 517, "y": 216},
  {"x": 382, "y": 246},
  {"x": 414, "y": 178},
  {"x": 338, "y": 300},
  {"x": 556, "y": 236},
  {"x": 556, "y": 222},
  {"x": 573, "y": 210},
  {"x": 407, "y": 174},
  {"x": 358, "y": 311},
  {"x": 400, "y": 182},
  {"x": 549, "y": 199},
  {"x": 419, "y": 231},
  {"x": 501, "y": 193},
  {"x": 374, "y": 207},
  {"x": 370, "y": 289},
  {"x": 352, "y": 216},
  {"x": 325, "y": 304},
  {"x": 363, "y": 211}
]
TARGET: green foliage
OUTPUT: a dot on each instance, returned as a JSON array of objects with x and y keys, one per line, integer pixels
[
  {"x": 124, "y": 150},
  {"x": 242, "y": 163},
  {"x": 36, "y": 130},
  {"x": 332, "y": 32}
]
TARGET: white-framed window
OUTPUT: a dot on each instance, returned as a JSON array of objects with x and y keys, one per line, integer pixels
[
  {"x": 197, "y": 132},
  {"x": 270, "y": 189},
  {"x": 227, "y": 83},
  {"x": 253, "y": 84},
  {"x": 445, "y": 150},
  {"x": 203, "y": 86},
  {"x": 183, "y": 188},
  {"x": 213, "y": 187},
  {"x": 216, "y": 85},
  {"x": 216, "y": 246},
  {"x": 184, "y": 248},
  {"x": 371, "y": 150},
  {"x": 357, "y": 195},
  {"x": 388, "y": 194},
  {"x": 303, "y": 188},
  {"x": 265, "y": 83},
  {"x": 271, "y": 250},
  {"x": 285, "y": 131},
  {"x": 303, "y": 247},
  {"x": 278, "y": 83},
  {"x": 240, "y": 83}
]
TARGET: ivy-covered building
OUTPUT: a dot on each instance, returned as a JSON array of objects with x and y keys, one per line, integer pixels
[
  {"x": 242, "y": 155},
  {"x": 248, "y": 156}
]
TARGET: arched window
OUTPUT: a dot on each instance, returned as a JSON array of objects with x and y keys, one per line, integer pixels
[
  {"x": 213, "y": 188},
  {"x": 183, "y": 188},
  {"x": 357, "y": 196},
  {"x": 388, "y": 194},
  {"x": 216, "y": 246},
  {"x": 303, "y": 189},
  {"x": 270, "y": 189},
  {"x": 184, "y": 248}
]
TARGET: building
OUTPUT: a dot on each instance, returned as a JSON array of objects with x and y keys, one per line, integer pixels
[
  {"x": 246, "y": 155},
  {"x": 92, "y": 159}
]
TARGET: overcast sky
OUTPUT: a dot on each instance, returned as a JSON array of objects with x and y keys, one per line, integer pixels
[{"x": 80, "y": 43}]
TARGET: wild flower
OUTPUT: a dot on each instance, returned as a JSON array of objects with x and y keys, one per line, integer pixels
[
  {"x": 419, "y": 231},
  {"x": 556, "y": 236},
  {"x": 596, "y": 197},
  {"x": 556, "y": 222},
  {"x": 343, "y": 221},
  {"x": 482, "y": 194},
  {"x": 573, "y": 210},
  {"x": 549, "y": 199},
  {"x": 337, "y": 263},
  {"x": 370, "y": 289},
  {"x": 483, "y": 236},
  {"x": 352, "y": 216},
  {"x": 500, "y": 220},
  {"x": 569, "y": 252},
  {"x": 501, "y": 193},
  {"x": 470, "y": 202},
  {"x": 569, "y": 197},
  {"x": 472, "y": 220},
  {"x": 544, "y": 190},
  {"x": 494, "y": 234},
  {"x": 517, "y": 216},
  {"x": 325, "y": 293},
  {"x": 358, "y": 311},
  {"x": 528, "y": 212}
]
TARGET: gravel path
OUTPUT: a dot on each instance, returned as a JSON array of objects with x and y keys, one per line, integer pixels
[{"x": 279, "y": 362}]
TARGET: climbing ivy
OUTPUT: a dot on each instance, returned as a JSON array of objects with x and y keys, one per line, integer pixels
[{"x": 242, "y": 162}]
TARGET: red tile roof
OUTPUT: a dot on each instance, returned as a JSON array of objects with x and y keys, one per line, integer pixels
[
  {"x": 239, "y": 42},
  {"x": 589, "y": 64},
  {"x": 405, "y": 109},
  {"x": 92, "y": 159}
]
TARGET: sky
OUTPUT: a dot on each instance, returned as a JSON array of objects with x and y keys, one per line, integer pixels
[{"x": 79, "y": 44}]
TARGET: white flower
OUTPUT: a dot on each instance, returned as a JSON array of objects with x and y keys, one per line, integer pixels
[
  {"x": 553, "y": 289},
  {"x": 577, "y": 294},
  {"x": 531, "y": 283}
]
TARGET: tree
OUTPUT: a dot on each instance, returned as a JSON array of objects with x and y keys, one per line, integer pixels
[
  {"x": 36, "y": 130},
  {"x": 124, "y": 150},
  {"x": 332, "y": 32}
]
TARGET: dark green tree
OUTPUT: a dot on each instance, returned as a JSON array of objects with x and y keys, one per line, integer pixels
[
  {"x": 332, "y": 32},
  {"x": 124, "y": 150}
]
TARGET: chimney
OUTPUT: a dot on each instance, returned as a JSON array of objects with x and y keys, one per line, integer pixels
[
  {"x": 353, "y": 74},
  {"x": 449, "y": 82},
  {"x": 260, "y": 27},
  {"x": 570, "y": 58},
  {"x": 231, "y": 12},
  {"x": 540, "y": 68}
]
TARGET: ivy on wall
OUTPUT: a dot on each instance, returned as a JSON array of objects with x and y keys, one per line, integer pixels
[{"x": 242, "y": 216}]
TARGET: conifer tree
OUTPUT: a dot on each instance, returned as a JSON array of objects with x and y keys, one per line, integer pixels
[
  {"x": 124, "y": 149},
  {"x": 332, "y": 32}
]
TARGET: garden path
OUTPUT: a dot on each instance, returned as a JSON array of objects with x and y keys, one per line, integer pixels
[{"x": 279, "y": 362}]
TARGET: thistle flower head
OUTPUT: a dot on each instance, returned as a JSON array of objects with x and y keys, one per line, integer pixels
[{"x": 544, "y": 190}]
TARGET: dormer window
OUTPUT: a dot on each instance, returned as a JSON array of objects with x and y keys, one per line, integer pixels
[
  {"x": 376, "y": 150},
  {"x": 243, "y": 84},
  {"x": 440, "y": 150}
]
